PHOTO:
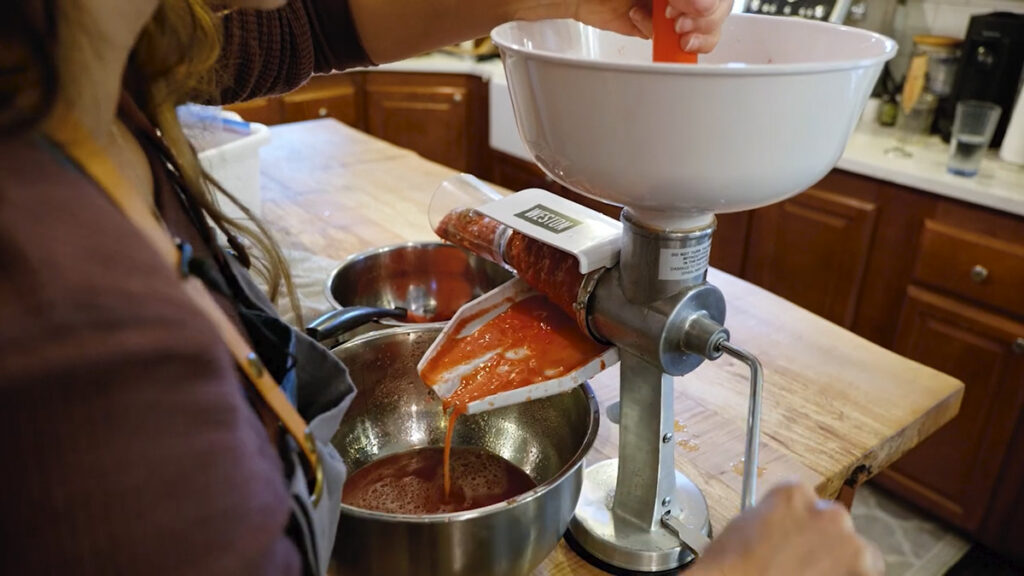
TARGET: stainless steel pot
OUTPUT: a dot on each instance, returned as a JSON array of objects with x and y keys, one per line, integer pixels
[
  {"x": 428, "y": 280},
  {"x": 394, "y": 411}
]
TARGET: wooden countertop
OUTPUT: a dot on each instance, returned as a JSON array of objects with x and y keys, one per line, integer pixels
[{"x": 837, "y": 408}]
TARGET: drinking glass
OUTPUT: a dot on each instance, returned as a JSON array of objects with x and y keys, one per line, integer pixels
[{"x": 973, "y": 126}]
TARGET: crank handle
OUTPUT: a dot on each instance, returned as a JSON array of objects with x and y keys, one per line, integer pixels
[
  {"x": 750, "y": 458},
  {"x": 707, "y": 338}
]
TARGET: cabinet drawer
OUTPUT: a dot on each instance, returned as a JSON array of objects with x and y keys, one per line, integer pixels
[{"x": 972, "y": 265}]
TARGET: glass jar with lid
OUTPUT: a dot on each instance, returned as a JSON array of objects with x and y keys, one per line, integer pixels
[
  {"x": 929, "y": 78},
  {"x": 943, "y": 55}
]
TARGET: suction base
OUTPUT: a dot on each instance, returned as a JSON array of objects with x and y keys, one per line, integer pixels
[{"x": 621, "y": 544}]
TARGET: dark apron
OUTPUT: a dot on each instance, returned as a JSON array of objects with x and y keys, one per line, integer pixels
[
  {"x": 319, "y": 386},
  {"x": 316, "y": 382}
]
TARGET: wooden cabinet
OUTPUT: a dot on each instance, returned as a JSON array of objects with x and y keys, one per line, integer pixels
[
  {"x": 937, "y": 280},
  {"x": 973, "y": 265},
  {"x": 729, "y": 244},
  {"x": 813, "y": 249},
  {"x": 517, "y": 174},
  {"x": 336, "y": 96},
  {"x": 953, "y": 473},
  {"x": 443, "y": 117}
]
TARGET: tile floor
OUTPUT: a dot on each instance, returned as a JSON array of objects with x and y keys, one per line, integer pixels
[{"x": 913, "y": 545}]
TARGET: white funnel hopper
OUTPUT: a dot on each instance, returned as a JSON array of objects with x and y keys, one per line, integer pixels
[{"x": 763, "y": 117}]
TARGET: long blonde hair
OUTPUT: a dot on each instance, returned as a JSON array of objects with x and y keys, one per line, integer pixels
[{"x": 174, "y": 61}]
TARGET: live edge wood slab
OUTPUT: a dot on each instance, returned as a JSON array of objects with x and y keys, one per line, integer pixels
[{"x": 837, "y": 408}]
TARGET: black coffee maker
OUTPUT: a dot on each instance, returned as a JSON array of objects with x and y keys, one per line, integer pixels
[{"x": 990, "y": 69}]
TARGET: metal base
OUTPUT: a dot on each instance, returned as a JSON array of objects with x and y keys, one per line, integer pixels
[{"x": 624, "y": 544}]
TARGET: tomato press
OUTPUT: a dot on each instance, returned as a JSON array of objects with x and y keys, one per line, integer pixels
[{"x": 673, "y": 144}]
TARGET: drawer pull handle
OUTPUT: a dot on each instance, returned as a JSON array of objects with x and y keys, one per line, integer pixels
[
  {"x": 979, "y": 273},
  {"x": 321, "y": 112},
  {"x": 1018, "y": 346},
  {"x": 457, "y": 97}
]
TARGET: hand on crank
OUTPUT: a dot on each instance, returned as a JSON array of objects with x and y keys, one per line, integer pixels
[
  {"x": 697, "y": 21},
  {"x": 790, "y": 533}
]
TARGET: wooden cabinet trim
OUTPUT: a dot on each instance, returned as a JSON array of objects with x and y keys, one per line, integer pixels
[
  {"x": 427, "y": 106},
  {"x": 301, "y": 96},
  {"x": 841, "y": 203},
  {"x": 418, "y": 90},
  {"x": 1008, "y": 327}
]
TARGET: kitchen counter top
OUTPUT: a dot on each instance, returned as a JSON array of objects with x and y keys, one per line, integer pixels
[
  {"x": 837, "y": 408},
  {"x": 999, "y": 184}
]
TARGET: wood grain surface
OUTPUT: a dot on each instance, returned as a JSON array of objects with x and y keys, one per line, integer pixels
[{"x": 837, "y": 408}]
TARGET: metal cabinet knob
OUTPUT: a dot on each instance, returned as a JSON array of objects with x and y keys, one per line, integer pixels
[
  {"x": 457, "y": 97},
  {"x": 979, "y": 273},
  {"x": 1018, "y": 346},
  {"x": 321, "y": 112}
]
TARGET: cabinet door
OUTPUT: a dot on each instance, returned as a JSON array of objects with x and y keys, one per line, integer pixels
[
  {"x": 729, "y": 244},
  {"x": 439, "y": 116},
  {"x": 263, "y": 110},
  {"x": 1004, "y": 524},
  {"x": 516, "y": 174},
  {"x": 813, "y": 250},
  {"x": 953, "y": 472},
  {"x": 334, "y": 96}
]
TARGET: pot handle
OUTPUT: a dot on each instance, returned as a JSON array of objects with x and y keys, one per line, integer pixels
[{"x": 337, "y": 322}]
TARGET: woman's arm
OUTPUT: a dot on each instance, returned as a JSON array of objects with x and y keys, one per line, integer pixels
[
  {"x": 392, "y": 30},
  {"x": 274, "y": 52}
]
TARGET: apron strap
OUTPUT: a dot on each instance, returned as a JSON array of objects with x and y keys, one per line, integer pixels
[{"x": 92, "y": 160}]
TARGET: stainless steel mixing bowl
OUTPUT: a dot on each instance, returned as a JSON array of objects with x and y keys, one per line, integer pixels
[
  {"x": 394, "y": 411},
  {"x": 431, "y": 280}
]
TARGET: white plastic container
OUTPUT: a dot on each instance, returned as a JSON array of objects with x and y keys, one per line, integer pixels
[
  {"x": 229, "y": 150},
  {"x": 236, "y": 165}
]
